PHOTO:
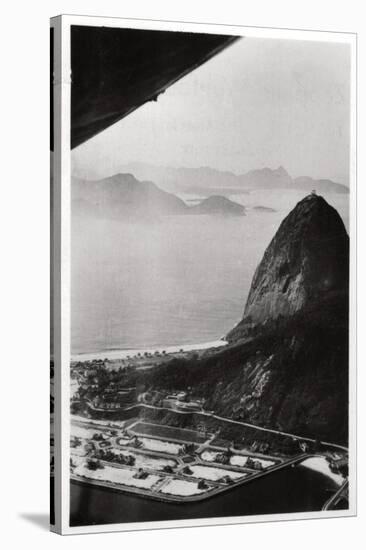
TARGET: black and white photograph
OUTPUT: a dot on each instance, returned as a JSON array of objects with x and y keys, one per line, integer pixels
[{"x": 207, "y": 346}]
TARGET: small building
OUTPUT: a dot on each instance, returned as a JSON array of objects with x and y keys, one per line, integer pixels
[
  {"x": 169, "y": 402},
  {"x": 140, "y": 474},
  {"x": 75, "y": 442},
  {"x": 257, "y": 465},
  {"x": 226, "y": 479},
  {"x": 202, "y": 484},
  {"x": 190, "y": 406}
]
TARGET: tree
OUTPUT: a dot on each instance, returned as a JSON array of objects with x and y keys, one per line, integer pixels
[{"x": 93, "y": 464}]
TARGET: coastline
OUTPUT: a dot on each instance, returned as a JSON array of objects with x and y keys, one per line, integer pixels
[
  {"x": 319, "y": 464},
  {"x": 124, "y": 353}
]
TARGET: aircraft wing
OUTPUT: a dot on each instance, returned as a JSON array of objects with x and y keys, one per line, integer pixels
[{"x": 114, "y": 71}]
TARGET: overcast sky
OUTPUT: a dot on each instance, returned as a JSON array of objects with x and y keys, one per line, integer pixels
[{"x": 261, "y": 102}]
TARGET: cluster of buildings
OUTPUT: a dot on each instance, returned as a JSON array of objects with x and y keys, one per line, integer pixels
[
  {"x": 100, "y": 391},
  {"x": 253, "y": 464}
]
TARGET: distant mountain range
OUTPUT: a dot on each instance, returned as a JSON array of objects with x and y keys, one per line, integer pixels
[
  {"x": 124, "y": 197},
  {"x": 205, "y": 181}
]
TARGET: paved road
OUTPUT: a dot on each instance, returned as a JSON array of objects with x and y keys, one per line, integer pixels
[
  {"x": 238, "y": 422},
  {"x": 215, "y": 487},
  {"x": 337, "y": 496}
]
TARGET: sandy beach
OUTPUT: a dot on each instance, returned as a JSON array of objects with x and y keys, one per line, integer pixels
[
  {"x": 320, "y": 464},
  {"x": 124, "y": 353}
]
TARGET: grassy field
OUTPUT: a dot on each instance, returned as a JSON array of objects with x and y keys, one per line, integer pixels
[
  {"x": 167, "y": 432},
  {"x": 242, "y": 436}
]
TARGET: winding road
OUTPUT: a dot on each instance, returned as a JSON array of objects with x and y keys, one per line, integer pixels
[{"x": 238, "y": 422}]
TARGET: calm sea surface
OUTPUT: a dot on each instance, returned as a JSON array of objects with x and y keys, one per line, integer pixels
[
  {"x": 177, "y": 280},
  {"x": 291, "y": 490}
]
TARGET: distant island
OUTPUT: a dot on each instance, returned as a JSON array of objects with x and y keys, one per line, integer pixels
[
  {"x": 132, "y": 195},
  {"x": 263, "y": 209},
  {"x": 124, "y": 197},
  {"x": 217, "y": 204}
]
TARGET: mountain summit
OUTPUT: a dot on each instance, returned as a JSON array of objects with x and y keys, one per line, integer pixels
[
  {"x": 306, "y": 262},
  {"x": 286, "y": 365},
  {"x": 265, "y": 178}
]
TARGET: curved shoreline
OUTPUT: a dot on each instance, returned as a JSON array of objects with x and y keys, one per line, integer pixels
[
  {"x": 124, "y": 353},
  {"x": 184, "y": 499}
]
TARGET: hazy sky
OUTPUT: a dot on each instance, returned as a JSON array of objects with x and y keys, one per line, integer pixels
[{"x": 261, "y": 102}]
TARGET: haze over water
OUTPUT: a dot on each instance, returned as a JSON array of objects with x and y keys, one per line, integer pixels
[{"x": 174, "y": 281}]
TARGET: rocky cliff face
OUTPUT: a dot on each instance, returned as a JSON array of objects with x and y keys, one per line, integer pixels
[
  {"x": 306, "y": 261},
  {"x": 286, "y": 366}
]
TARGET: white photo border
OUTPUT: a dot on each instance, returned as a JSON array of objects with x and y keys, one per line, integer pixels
[{"x": 62, "y": 163}]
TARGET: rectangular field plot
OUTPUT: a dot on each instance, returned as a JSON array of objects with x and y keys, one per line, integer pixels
[
  {"x": 161, "y": 446},
  {"x": 214, "y": 474},
  {"x": 85, "y": 432},
  {"x": 167, "y": 432},
  {"x": 181, "y": 487},
  {"x": 238, "y": 460},
  {"x": 120, "y": 476},
  {"x": 149, "y": 462}
]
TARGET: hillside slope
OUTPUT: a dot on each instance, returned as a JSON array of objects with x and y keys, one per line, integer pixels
[
  {"x": 123, "y": 196},
  {"x": 286, "y": 366},
  {"x": 217, "y": 204}
]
